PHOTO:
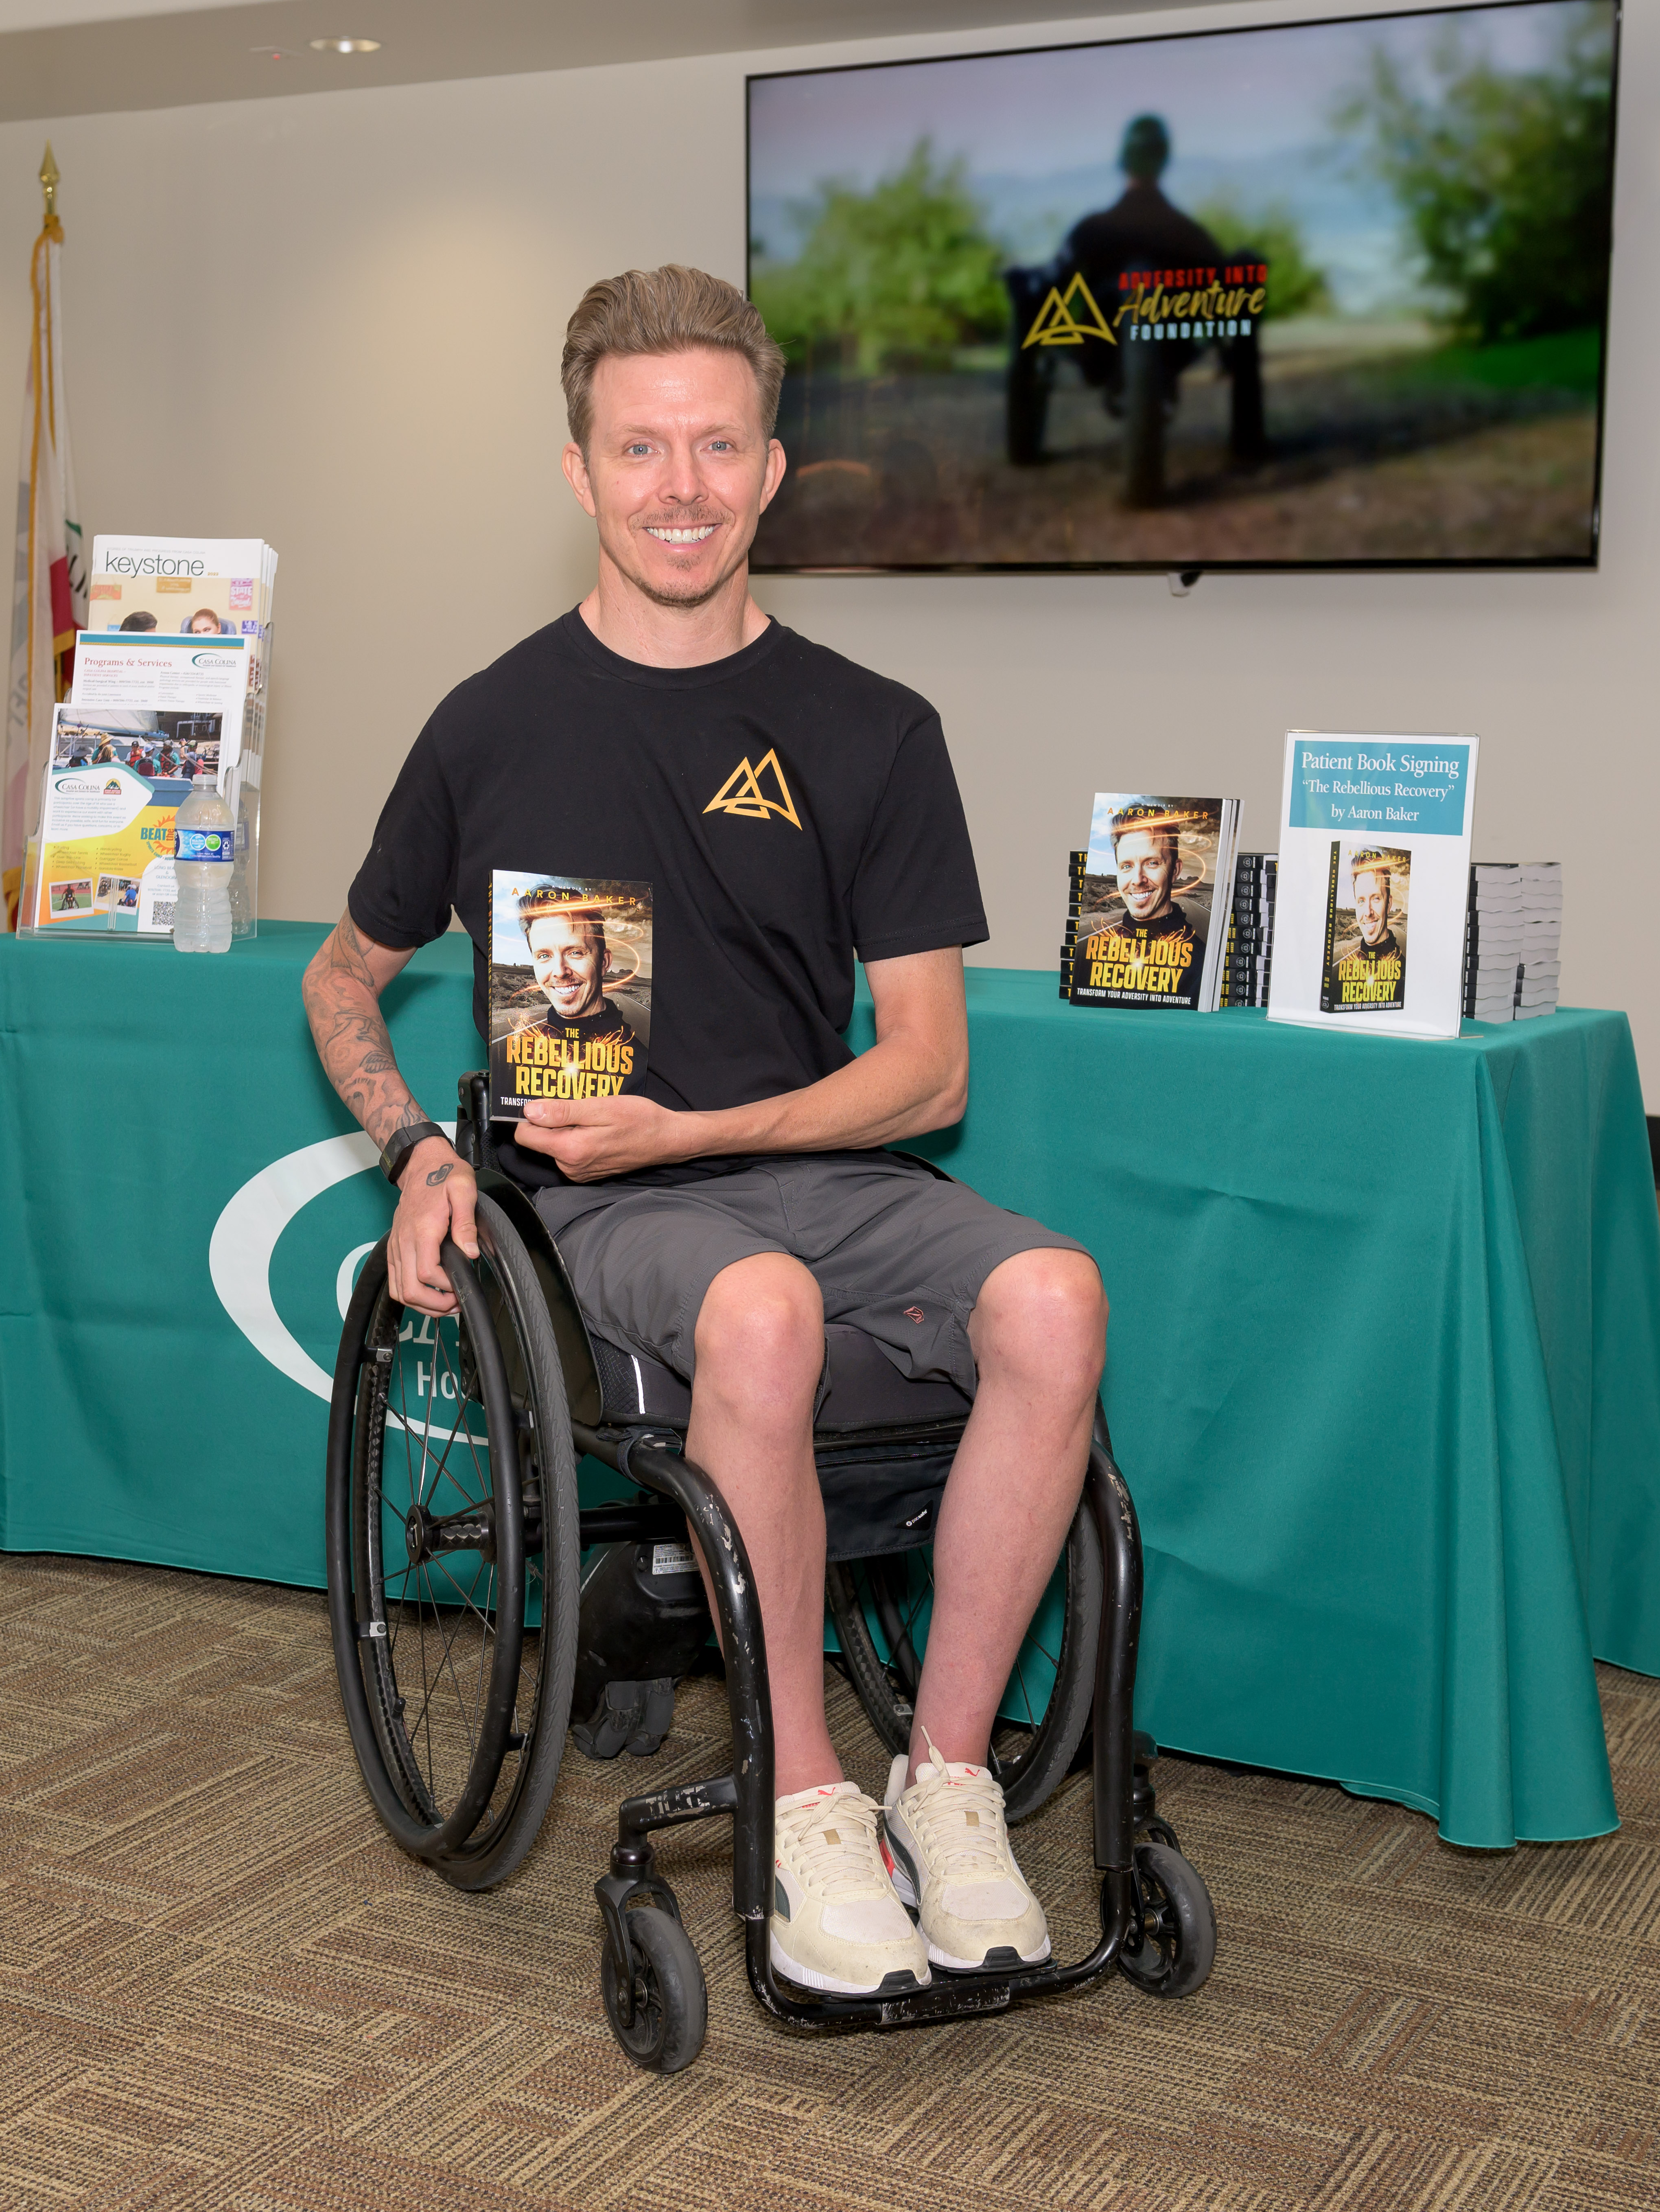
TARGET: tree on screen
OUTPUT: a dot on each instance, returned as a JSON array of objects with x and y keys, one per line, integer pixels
[
  {"x": 897, "y": 277},
  {"x": 1272, "y": 234},
  {"x": 1502, "y": 175}
]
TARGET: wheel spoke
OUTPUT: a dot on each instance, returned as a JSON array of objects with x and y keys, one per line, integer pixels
[
  {"x": 1031, "y": 1716},
  {"x": 446, "y": 1656}
]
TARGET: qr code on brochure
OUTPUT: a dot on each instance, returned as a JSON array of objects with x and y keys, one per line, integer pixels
[{"x": 163, "y": 913}]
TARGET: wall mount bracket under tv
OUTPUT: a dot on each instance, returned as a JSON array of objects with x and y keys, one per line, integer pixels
[{"x": 1327, "y": 295}]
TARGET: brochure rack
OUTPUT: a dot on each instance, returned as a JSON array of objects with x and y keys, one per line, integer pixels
[{"x": 172, "y": 676}]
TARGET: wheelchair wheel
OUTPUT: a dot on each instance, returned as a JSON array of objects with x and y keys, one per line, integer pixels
[
  {"x": 667, "y": 2004},
  {"x": 881, "y": 1609},
  {"x": 453, "y": 1555},
  {"x": 1174, "y": 1944}
]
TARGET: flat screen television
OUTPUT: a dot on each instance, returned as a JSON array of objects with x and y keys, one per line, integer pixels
[{"x": 1323, "y": 294}]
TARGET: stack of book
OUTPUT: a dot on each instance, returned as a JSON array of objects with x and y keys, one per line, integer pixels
[
  {"x": 1493, "y": 940},
  {"x": 1249, "y": 931},
  {"x": 1539, "y": 973},
  {"x": 1513, "y": 940},
  {"x": 1075, "y": 865}
]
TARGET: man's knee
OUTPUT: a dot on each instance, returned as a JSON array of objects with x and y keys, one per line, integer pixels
[
  {"x": 760, "y": 1334},
  {"x": 1042, "y": 1315}
]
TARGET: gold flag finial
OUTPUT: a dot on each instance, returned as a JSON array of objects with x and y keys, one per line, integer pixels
[{"x": 48, "y": 182}]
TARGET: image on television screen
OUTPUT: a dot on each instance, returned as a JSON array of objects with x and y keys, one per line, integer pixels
[{"x": 1311, "y": 294}]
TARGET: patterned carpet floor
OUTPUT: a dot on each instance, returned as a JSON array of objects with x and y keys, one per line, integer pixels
[{"x": 220, "y": 1987}]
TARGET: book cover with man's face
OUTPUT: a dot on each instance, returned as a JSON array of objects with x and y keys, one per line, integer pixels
[
  {"x": 1366, "y": 969},
  {"x": 570, "y": 998}
]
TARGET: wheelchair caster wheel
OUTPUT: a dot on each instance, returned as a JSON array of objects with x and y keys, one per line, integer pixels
[
  {"x": 660, "y": 2019},
  {"x": 1158, "y": 1830},
  {"x": 1172, "y": 1944}
]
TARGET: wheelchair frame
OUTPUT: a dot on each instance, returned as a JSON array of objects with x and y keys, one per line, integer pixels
[
  {"x": 651, "y": 1454},
  {"x": 747, "y": 1793}
]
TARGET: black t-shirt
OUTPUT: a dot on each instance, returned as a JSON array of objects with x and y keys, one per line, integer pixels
[{"x": 789, "y": 809}]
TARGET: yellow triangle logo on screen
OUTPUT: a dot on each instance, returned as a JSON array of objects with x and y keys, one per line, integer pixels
[
  {"x": 1057, "y": 325},
  {"x": 741, "y": 793}
]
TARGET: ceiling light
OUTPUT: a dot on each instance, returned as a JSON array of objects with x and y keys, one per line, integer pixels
[{"x": 345, "y": 45}]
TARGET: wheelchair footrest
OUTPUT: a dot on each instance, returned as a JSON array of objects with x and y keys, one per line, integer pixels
[{"x": 632, "y": 1716}]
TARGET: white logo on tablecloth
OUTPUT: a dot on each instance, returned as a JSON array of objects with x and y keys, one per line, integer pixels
[{"x": 245, "y": 1236}]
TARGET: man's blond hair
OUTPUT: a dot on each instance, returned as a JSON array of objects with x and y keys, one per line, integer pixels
[{"x": 664, "y": 310}]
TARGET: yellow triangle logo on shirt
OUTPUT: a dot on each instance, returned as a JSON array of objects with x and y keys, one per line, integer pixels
[{"x": 741, "y": 793}]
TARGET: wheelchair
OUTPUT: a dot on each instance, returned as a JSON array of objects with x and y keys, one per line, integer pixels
[{"x": 455, "y": 1540}]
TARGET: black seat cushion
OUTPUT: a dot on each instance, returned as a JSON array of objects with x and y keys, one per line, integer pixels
[
  {"x": 634, "y": 1388},
  {"x": 866, "y": 1390},
  {"x": 883, "y": 1441}
]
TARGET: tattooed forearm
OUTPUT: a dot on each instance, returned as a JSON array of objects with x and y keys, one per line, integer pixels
[{"x": 342, "y": 994}]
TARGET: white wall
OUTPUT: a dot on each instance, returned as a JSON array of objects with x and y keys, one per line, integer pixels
[{"x": 333, "y": 321}]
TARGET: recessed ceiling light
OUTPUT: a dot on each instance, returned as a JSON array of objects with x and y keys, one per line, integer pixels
[{"x": 345, "y": 45}]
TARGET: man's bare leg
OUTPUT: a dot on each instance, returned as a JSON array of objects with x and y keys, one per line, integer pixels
[
  {"x": 1038, "y": 1334},
  {"x": 760, "y": 1352}
]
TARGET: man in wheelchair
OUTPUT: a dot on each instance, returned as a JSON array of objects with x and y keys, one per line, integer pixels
[{"x": 793, "y": 813}]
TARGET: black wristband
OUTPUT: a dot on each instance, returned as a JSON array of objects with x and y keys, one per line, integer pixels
[{"x": 402, "y": 1142}]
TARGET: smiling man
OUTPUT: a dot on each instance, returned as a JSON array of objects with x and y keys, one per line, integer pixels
[{"x": 794, "y": 813}]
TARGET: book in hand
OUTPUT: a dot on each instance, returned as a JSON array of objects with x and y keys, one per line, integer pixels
[
  {"x": 1367, "y": 826},
  {"x": 1149, "y": 930},
  {"x": 570, "y": 1007}
]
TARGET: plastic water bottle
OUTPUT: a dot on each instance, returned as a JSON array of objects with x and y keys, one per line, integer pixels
[{"x": 206, "y": 853}]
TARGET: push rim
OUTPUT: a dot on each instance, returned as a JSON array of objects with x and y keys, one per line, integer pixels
[
  {"x": 439, "y": 1579},
  {"x": 547, "y": 1473}
]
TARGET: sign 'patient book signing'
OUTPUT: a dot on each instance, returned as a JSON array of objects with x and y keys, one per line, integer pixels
[{"x": 1373, "y": 883}]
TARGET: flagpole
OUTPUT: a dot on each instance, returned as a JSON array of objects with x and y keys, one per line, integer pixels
[{"x": 49, "y": 605}]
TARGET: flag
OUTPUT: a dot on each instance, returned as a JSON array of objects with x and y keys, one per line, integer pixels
[{"x": 49, "y": 591}]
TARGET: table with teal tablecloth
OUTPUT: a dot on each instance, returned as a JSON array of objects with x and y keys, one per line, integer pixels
[{"x": 1384, "y": 1370}]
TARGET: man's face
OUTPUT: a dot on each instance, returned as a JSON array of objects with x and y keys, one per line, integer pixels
[
  {"x": 569, "y": 966},
  {"x": 1147, "y": 869},
  {"x": 1372, "y": 906},
  {"x": 677, "y": 470}
]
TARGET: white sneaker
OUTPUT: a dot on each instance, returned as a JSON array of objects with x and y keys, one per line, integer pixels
[
  {"x": 836, "y": 1923},
  {"x": 946, "y": 1846}
]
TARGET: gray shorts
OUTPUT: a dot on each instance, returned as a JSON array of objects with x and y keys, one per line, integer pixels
[{"x": 893, "y": 1250}]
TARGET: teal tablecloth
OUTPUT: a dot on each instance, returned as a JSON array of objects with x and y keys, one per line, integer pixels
[{"x": 1384, "y": 1360}]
